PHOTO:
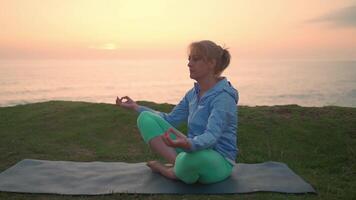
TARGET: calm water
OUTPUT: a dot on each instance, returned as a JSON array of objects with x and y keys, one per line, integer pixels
[{"x": 306, "y": 83}]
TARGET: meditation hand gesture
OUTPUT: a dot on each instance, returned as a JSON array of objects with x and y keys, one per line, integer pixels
[
  {"x": 181, "y": 140},
  {"x": 129, "y": 103}
]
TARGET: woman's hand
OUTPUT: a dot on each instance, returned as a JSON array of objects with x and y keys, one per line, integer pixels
[
  {"x": 129, "y": 103},
  {"x": 181, "y": 140}
]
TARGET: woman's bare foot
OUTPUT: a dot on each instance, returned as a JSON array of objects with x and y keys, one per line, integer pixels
[
  {"x": 153, "y": 164},
  {"x": 158, "y": 167}
]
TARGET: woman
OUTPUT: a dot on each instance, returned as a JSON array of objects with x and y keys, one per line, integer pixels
[{"x": 208, "y": 153}]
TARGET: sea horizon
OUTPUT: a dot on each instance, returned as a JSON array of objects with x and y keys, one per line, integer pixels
[{"x": 260, "y": 82}]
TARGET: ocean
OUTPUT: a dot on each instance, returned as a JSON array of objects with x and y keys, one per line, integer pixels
[{"x": 272, "y": 82}]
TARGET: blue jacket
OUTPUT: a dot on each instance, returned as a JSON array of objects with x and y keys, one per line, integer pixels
[{"x": 212, "y": 120}]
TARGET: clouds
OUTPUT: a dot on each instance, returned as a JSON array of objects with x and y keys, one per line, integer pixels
[{"x": 344, "y": 17}]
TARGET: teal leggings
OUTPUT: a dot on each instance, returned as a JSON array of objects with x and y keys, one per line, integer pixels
[{"x": 204, "y": 166}]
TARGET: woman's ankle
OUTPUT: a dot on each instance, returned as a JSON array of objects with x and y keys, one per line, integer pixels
[{"x": 166, "y": 171}]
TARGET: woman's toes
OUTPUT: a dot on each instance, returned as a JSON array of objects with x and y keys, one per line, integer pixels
[{"x": 153, "y": 164}]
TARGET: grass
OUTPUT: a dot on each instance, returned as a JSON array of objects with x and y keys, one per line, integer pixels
[{"x": 319, "y": 144}]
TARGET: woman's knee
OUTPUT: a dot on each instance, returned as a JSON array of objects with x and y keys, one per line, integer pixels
[
  {"x": 142, "y": 118},
  {"x": 148, "y": 124},
  {"x": 144, "y": 124}
]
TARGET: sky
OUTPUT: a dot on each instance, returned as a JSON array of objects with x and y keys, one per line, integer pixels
[{"x": 162, "y": 29}]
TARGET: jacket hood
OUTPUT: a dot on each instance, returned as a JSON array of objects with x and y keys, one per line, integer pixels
[{"x": 222, "y": 86}]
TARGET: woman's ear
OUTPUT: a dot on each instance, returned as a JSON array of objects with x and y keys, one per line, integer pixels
[{"x": 212, "y": 64}]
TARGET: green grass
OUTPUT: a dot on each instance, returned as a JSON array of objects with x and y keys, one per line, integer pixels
[{"x": 319, "y": 144}]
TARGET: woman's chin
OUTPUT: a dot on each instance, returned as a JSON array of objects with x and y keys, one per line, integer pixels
[{"x": 192, "y": 76}]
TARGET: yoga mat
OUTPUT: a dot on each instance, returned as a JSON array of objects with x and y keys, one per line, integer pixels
[{"x": 95, "y": 178}]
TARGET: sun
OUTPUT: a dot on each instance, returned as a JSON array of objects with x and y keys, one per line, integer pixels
[
  {"x": 105, "y": 46},
  {"x": 109, "y": 46}
]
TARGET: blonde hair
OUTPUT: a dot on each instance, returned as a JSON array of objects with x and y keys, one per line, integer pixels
[{"x": 211, "y": 51}]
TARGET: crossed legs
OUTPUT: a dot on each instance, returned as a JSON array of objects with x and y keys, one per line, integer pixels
[
  {"x": 206, "y": 166},
  {"x": 151, "y": 128},
  {"x": 157, "y": 145}
]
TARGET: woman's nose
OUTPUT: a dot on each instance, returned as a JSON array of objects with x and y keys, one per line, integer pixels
[{"x": 189, "y": 64}]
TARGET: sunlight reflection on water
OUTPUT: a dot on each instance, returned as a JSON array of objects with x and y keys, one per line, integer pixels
[{"x": 306, "y": 83}]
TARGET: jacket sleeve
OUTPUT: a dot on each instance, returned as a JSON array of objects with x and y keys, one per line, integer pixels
[
  {"x": 223, "y": 109},
  {"x": 178, "y": 115}
]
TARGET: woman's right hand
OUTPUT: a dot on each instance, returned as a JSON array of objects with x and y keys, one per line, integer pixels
[{"x": 129, "y": 103}]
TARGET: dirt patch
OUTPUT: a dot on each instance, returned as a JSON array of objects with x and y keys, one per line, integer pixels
[{"x": 82, "y": 152}]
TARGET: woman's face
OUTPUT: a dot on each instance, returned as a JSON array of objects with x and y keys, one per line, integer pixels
[{"x": 199, "y": 68}]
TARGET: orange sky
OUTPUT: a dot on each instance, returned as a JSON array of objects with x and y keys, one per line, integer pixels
[{"x": 156, "y": 29}]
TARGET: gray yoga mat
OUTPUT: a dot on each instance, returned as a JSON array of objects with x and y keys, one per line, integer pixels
[{"x": 94, "y": 178}]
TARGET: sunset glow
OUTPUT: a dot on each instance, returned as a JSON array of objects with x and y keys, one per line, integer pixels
[{"x": 277, "y": 29}]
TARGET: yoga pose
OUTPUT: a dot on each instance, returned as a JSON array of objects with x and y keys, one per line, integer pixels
[{"x": 207, "y": 154}]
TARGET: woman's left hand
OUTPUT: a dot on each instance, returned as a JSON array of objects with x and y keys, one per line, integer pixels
[{"x": 181, "y": 140}]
